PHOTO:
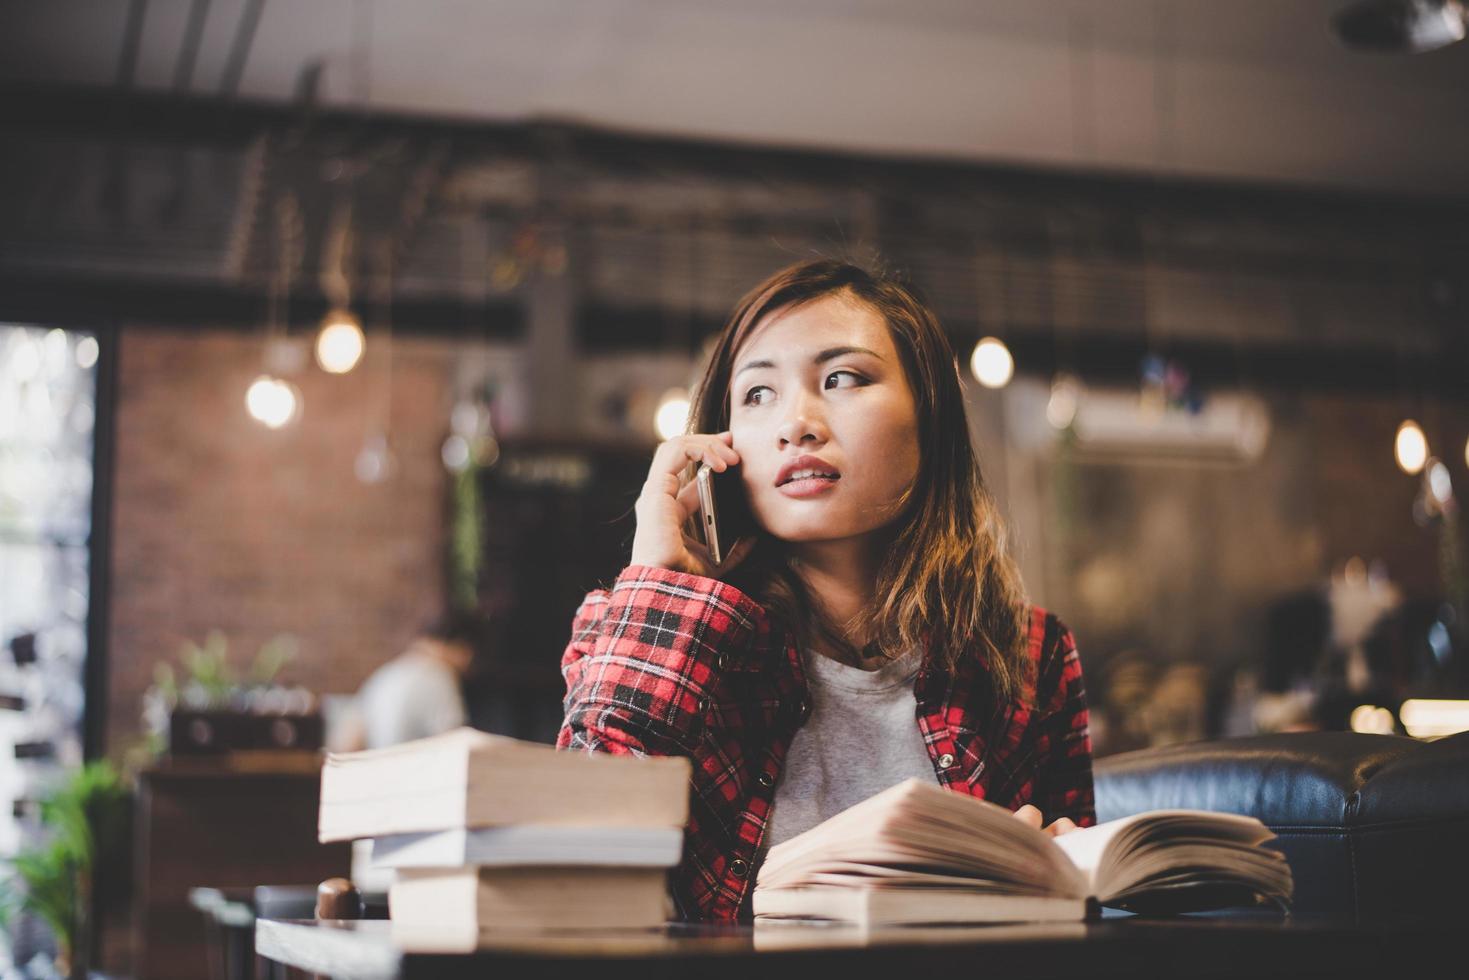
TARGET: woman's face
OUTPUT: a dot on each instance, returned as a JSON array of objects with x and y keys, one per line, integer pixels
[{"x": 824, "y": 421}]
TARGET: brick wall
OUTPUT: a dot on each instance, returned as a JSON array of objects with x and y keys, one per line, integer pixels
[{"x": 221, "y": 523}]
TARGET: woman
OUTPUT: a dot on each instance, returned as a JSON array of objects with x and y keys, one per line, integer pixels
[{"x": 870, "y": 589}]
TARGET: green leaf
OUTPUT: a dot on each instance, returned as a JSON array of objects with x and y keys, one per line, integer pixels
[
  {"x": 274, "y": 654},
  {"x": 84, "y": 815},
  {"x": 166, "y": 681},
  {"x": 49, "y": 876},
  {"x": 208, "y": 667}
]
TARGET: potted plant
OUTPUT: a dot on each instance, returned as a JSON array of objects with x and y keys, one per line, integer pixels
[
  {"x": 53, "y": 881},
  {"x": 207, "y": 705}
]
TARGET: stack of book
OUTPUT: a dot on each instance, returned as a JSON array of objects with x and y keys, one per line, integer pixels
[{"x": 489, "y": 834}]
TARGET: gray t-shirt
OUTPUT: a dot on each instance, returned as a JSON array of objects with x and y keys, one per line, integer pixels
[{"x": 862, "y": 736}]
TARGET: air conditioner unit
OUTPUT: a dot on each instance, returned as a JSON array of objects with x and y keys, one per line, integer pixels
[{"x": 1229, "y": 428}]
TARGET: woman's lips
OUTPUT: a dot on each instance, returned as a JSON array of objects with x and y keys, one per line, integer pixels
[{"x": 810, "y": 486}]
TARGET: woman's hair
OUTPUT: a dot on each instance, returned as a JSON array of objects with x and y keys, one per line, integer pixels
[{"x": 947, "y": 579}]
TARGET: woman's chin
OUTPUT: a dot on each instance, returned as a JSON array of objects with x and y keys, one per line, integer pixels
[{"x": 819, "y": 528}]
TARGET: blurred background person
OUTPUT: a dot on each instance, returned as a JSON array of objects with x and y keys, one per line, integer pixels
[{"x": 419, "y": 692}]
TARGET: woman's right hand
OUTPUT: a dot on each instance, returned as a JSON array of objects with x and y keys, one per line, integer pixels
[{"x": 666, "y": 504}]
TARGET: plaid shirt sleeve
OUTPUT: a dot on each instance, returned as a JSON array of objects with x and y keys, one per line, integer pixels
[
  {"x": 643, "y": 677},
  {"x": 1064, "y": 780},
  {"x": 644, "y": 657}
]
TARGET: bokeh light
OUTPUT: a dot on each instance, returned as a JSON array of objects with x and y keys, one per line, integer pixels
[
  {"x": 1440, "y": 484},
  {"x": 86, "y": 352},
  {"x": 1064, "y": 400},
  {"x": 672, "y": 418},
  {"x": 991, "y": 363},
  {"x": 271, "y": 401},
  {"x": 1429, "y": 718},
  {"x": 1411, "y": 447},
  {"x": 375, "y": 462},
  {"x": 1372, "y": 719},
  {"x": 340, "y": 343}
]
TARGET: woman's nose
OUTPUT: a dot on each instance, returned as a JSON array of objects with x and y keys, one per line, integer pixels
[{"x": 804, "y": 422}]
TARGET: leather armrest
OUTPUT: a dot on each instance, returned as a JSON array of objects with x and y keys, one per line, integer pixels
[
  {"x": 1344, "y": 807},
  {"x": 1302, "y": 779}
]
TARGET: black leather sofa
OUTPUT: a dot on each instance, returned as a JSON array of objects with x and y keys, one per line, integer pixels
[{"x": 1375, "y": 827}]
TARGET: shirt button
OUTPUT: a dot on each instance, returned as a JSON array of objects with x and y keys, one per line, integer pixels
[
  {"x": 766, "y": 779},
  {"x": 739, "y": 868},
  {"x": 946, "y": 760},
  {"x": 723, "y": 661}
]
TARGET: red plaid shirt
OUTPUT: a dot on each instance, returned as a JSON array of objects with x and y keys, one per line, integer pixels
[{"x": 666, "y": 663}]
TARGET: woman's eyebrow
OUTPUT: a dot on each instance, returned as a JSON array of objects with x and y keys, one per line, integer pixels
[{"x": 831, "y": 353}]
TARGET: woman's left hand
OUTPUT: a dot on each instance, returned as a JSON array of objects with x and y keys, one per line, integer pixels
[{"x": 1029, "y": 814}]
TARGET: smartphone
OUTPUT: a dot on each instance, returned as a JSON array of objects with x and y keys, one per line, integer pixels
[{"x": 709, "y": 513}]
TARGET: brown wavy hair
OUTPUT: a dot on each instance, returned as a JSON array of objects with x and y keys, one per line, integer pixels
[{"x": 947, "y": 579}]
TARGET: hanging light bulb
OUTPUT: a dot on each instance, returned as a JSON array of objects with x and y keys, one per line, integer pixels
[
  {"x": 1440, "y": 483},
  {"x": 1065, "y": 397},
  {"x": 271, "y": 401},
  {"x": 465, "y": 417},
  {"x": 340, "y": 343},
  {"x": 472, "y": 439},
  {"x": 1466, "y": 452},
  {"x": 672, "y": 417},
  {"x": 455, "y": 453},
  {"x": 1410, "y": 447},
  {"x": 376, "y": 461},
  {"x": 991, "y": 363}
]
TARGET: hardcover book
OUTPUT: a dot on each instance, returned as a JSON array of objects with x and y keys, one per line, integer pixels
[
  {"x": 920, "y": 854},
  {"x": 467, "y": 778}
]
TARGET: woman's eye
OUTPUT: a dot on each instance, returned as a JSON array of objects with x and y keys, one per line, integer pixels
[
  {"x": 843, "y": 379},
  {"x": 758, "y": 395}
]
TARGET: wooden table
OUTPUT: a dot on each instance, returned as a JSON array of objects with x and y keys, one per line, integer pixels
[{"x": 1121, "y": 947}]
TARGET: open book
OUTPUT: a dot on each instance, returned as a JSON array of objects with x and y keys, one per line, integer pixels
[
  {"x": 917, "y": 853},
  {"x": 466, "y": 778}
]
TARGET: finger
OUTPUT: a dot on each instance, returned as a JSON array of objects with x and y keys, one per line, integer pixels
[
  {"x": 719, "y": 444},
  {"x": 694, "y": 445},
  {"x": 726, "y": 448},
  {"x": 674, "y": 462},
  {"x": 1030, "y": 815},
  {"x": 675, "y": 454},
  {"x": 1063, "y": 826},
  {"x": 715, "y": 460},
  {"x": 688, "y": 499}
]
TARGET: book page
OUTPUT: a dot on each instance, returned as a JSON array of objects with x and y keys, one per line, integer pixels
[
  {"x": 924, "y": 829},
  {"x": 1130, "y": 854},
  {"x": 1086, "y": 846}
]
